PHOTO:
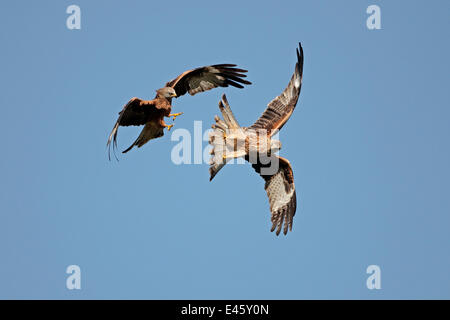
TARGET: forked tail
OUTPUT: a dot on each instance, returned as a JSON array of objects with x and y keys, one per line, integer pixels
[{"x": 227, "y": 139}]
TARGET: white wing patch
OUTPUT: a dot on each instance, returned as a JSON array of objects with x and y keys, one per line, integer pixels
[{"x": 278, "y": 197}]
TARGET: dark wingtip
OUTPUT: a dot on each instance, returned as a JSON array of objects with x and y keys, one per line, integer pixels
[
  {"x": 234, "y": 84},
  {"x": 300, "y": 58},
  {"x": 245, "y": 81},
  {"x": 224, "y": 65}
]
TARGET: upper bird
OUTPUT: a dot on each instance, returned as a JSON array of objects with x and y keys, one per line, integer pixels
[
  {"x": 151, "y": 113},
  {"x": 257, "y": 145}
]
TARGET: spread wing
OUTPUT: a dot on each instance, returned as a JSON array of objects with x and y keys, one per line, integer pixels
[
  {"x": 280, "y": 189},
  {"x": 279, "y": 110},
  {"x": 136, "y": 112},
  {"x": 207, "y": 78}
]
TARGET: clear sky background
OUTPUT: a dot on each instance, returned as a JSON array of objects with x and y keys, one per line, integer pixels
[{"x": 368, "y": 142}]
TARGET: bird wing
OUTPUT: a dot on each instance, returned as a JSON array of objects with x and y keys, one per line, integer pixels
[
  {"x": 209, "y": 77},
  {"x": 136, "y": 112},
  {"x": 280, "y": 189},
  {"x": 279, "y": 110}
]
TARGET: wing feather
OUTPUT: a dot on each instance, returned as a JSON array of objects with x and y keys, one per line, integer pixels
[
  {"x": 279, "y": 110},
  {"x": 207, "y": 78},
  {"x": 136, "y": 112},
  {"x": 280, "y": 190}
]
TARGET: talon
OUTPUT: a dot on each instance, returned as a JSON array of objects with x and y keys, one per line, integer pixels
[
  {"x": 175, "y": 115},
  {"x": 169, "y": 127}
]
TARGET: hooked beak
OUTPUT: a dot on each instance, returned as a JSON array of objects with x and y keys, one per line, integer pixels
[{"x": 174, "y": 95}]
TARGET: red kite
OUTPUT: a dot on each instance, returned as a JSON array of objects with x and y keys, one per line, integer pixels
[
  {"x": 151, "y": 113},
  {"x": 256, "y": 145}
]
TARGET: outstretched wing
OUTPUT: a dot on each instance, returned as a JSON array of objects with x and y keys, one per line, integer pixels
[
  {"x": 136, "y": 112},
  {"x": 206, "y": 78},
  {"x": 280, "y": 189},
  {"x": 279, "y": 110}
]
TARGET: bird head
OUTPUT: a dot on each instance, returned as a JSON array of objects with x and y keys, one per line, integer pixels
[{"x": 167, "y": 92}]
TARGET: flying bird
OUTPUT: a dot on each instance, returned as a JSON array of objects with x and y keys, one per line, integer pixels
[
  {"x": 151, "y": 113},
  {"x": 255, "y": 144}
]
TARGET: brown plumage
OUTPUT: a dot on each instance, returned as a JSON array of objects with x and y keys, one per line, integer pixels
[
  {"x": 279, "y": 110},
  {"x": 256, "y": 145},
  {"x": 151, "y": 113}
]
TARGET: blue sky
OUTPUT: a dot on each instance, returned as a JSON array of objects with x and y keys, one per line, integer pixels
[{"x": 368, "y": 142}]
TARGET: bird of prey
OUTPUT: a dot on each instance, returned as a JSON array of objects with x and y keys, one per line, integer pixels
[
  {"x": 151, "y": 113},
  {"x": 256, "y": 145}
]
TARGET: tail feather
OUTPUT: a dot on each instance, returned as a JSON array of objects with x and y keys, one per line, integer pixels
[
  {"x": 218, "y": 143},
  {"x": 131, "y": 147},
  {"x": 224, "y": 139},
  {"x": 151, "y": 131},
  {"x": 227, "y": 113}
]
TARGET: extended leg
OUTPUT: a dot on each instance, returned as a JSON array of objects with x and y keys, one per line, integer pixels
[
  {"x": 165, "y": 125},
  {"x": 175, "y": 115}
]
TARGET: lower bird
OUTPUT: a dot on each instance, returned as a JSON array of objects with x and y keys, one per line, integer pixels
[
  {"x": 151, "y": 113},
  {"x": 255, "y": 144}
]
